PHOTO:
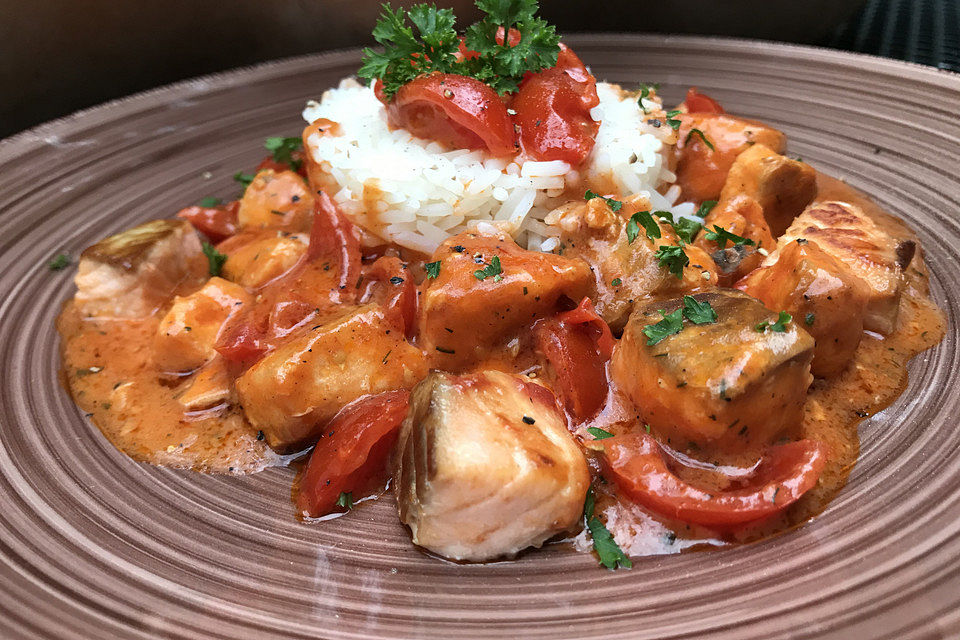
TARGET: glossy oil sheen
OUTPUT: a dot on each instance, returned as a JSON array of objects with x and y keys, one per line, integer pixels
[{"x": 94, "y": 545}]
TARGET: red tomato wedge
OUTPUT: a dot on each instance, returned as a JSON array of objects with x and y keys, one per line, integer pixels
[
  {"x": 577, "y": 344},
  {"x": 455, "y": 110},
  {"x": 352, "y": 453},
  {"x": 553, "y": 114},
  {"x": 638, "y": 466},
  {"x": 701, "y": 103},
  {"x": 217, "y": 223},
  {"x": 391, "y": 284}
]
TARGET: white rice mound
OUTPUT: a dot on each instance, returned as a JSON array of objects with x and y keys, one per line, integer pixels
[{"x": 420, "y": 193}]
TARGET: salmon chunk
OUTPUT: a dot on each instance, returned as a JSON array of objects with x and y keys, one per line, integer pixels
[
  {"x": 293, "y": 391},
  {"x": 187, "y": 333},
  {"x": 626, "y": 272},
  {"x": 464, "y": 317},
  {"x": 780, "y": 185},
  {"x": 255, "y": 259},
  {"x": 871, "y": 257},
  {"x": 702, "y": 170},
  {"x": 276, "y": 199},
  {"x": 133, "y": 273},
  {"x": 736, "y": 384},
  {"x": 810, "y": 284},
  {"x": 485, "y": 467}
]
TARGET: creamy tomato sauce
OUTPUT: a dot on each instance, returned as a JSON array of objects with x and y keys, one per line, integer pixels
[{"x": 108, "y": 368}]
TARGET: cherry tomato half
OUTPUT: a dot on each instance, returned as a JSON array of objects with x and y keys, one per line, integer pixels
[
  {"x": 637, "y": 464},
  {"x": 553, "y": 114},
  {"x": 352, "y": 452},
  {"x": 577, "y": 344},
  {"x": 217, "y": 223},
  {"x": 455, "y": 110},
  {"x": 701, "y": 103}
]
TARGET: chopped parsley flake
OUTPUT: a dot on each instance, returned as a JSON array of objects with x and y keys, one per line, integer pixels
[
  {"x": 673, "y": 258},
  {"x": 599, "y": 433},
  {"x": 283, "y": 148},
  {"x": 244, "y": 179},
  {"x": 721, "y": 236},
  {"x": 672, "y": 119},
  {"x": 810, "y": 318},
  {"x": 59, "y": 262},
  {"x": 645, "y": 94},
  {"x": 616, "y": 282},
  {"x": 702, "y": 136},
  {"x": 644, "y": 219},
  {"x": 671, "y": 324},
  {"x": 706, "y": 207},
  {"x": 610, "y": 554},
  {"x": 214, "y": 258},
  {"x": 779, "y": 326},
  {"x": 433, "y": 269},
  {"x": 698, "y": 312},
  {"x": 345, "y": 500},
  {"x": 686, "y": 229},
  {"x": 614, "y": 205},
  {"x": 492, "y": 270},
  {"x": 210, "y": 201}
]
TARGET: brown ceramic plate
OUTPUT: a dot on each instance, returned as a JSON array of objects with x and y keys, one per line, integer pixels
[{"x": 94, "y": 545}]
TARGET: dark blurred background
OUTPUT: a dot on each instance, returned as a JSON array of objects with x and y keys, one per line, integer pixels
[{"x": 57, "y": 56}]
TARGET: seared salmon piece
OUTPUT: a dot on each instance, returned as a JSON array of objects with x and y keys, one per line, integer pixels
[
  {"x": 732, "y": 385},
  {"x": 625, "y": 272},
  {"x": 276, "y": 199},
  {"x": 188, "y": 332},
  {"x": 817, "y": 290},
  {"x": 702, "y": 171},
  {"x": 871, "y": 258},
  {"x": 485, "y": 467},
  {"x": 464, "y": 317},
  {"x": 133, "y": 273},
  {"x": 294, "y": 390}
]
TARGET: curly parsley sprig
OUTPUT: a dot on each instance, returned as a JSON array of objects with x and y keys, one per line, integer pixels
[{"x": 423, "y": 40}]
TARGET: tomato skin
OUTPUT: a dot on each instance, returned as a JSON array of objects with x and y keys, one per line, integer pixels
[
  {"x": 701, "y": 103},
  {"x": 578, "y": 349},
  {"x": 334, "y": 238},
  {"x": 399, "y": 299},
  {"x": 553, "y": 115},
  {"x": 217, "y": 223},
  {"x": 455, "y": 110},
  {"x": 637, "y": 464},
  {"x": 585, "y": 314},
  {"x": 353, "y": 451},
  {"x": 242, "y": 341},
  {"x": 571, "y": 63}
]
